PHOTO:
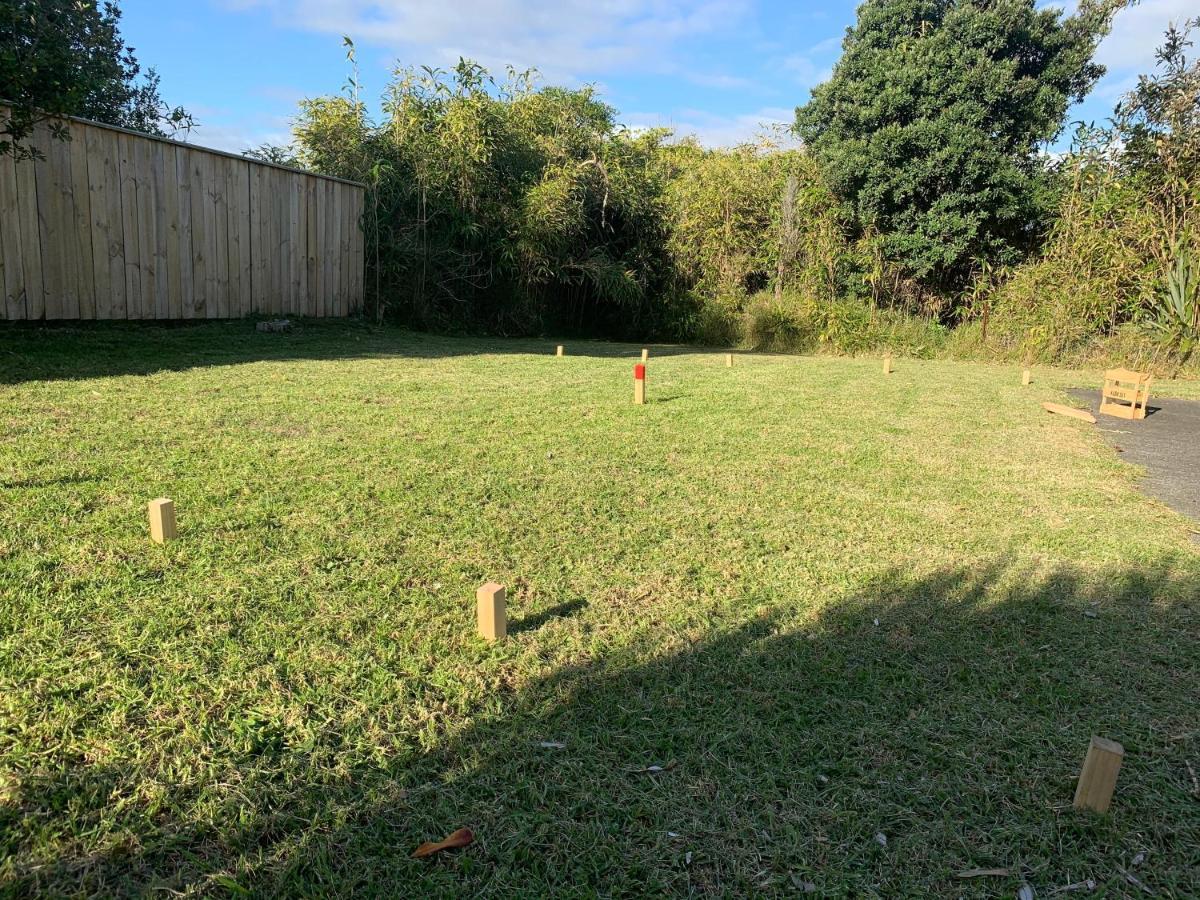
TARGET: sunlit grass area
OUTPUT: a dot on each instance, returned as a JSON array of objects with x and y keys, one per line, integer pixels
[{"x": 864, "y": 624}]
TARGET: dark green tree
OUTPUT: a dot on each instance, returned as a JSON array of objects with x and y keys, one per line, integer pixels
[
  {"x": 930, "y": 127},
  {"x": 67, "y": 57}
]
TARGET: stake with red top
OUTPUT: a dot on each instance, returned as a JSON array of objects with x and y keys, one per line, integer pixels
[{"x": 639, "y": 383}]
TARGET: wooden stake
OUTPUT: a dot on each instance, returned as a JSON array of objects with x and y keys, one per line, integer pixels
[
  {"x": 1099, "y": 775},
  {"x": 645, "y": 355},
  {"x": 493, "y": 616},
  {"x": 729, "y": 360},
  {"x": 1059, "y": 409},
  {"x": 559, "y": 351},
  {"x": 162, "y": 520},
  {"x": 639, "y": 383},
  {"x": 1026, "y": 377},
  {"x": 887, "y": 365}
]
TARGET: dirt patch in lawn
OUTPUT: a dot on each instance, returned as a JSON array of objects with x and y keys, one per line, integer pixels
[{"x": 1166, "y": 443}]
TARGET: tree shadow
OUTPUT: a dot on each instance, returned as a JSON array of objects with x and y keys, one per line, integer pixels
[
  {"x": 918, "y": 726},
  {"x": 83, "y": 350}
]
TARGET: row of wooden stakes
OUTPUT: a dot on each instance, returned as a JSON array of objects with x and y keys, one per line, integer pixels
[{"x": 639, "y": 372}]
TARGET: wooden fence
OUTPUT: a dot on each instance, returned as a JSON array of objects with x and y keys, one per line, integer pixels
[{"x": 117, "y": 225}]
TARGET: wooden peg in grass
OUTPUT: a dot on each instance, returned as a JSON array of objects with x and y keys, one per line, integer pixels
[
  {"x": 162, "y": 520},
  {"x": 559, "y": 351},
  {"x": 887, "y": 364},
  {"x": 645, "y": 355},
  {"x": 493, "y": 617},
  {"x": 1026, "y": 377},
  {"x": 1099, "y": 775},
  {"x": 729, "y": 360},
  {"x": 639, "y": 383}
]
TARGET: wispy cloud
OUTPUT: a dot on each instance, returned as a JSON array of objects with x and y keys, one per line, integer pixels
[
  {"x": 224, "y": 129},
  {"x": 1137, "y": 32},
  {"x": 561, "y": 38},
  {"x": 713, "y": 130}
]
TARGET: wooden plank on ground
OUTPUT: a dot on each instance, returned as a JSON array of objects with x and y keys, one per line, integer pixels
[{"x": 1070, "y": 411}]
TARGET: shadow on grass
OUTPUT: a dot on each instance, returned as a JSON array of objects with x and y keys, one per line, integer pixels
[
  {"x": 68, "y": 351},
  {"x": 536, "y": 621},
  {"x": 918, "y": 727}
]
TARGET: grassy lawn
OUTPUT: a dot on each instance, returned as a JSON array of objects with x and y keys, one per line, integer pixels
[{"x": 866, "y": 625}]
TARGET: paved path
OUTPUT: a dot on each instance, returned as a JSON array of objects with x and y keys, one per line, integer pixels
[{"x": 1166, "y": 443}]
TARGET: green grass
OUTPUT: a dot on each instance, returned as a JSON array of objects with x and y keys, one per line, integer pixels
[{"x": 833, "y": 605}]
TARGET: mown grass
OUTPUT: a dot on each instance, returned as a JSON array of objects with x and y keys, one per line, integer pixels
[{"x": 833, "y": 606}]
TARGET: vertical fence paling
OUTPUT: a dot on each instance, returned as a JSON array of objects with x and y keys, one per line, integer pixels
[{"x": 116, "y": 225}]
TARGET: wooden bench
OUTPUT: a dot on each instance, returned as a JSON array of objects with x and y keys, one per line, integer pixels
[{"x": 1125, "y": 394}]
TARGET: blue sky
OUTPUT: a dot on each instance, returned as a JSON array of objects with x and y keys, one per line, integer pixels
[{"x": 720, "y": 69}]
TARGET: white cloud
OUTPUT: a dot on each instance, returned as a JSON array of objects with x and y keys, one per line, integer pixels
[
  {"x": 561, "y": 38},
  {"x": 805, "y": 71},
  {"x": 1137, "y": 32},
  {"x": 224, "y": 130},
  {"x": 713, "y": 130}
]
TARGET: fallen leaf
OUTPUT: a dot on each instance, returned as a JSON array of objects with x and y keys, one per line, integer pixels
[
  {"x": 983, "y": 873},
  {"x": 655, "y": 770},
  {"x": 552, "y": 745},
  {"x": 460, "y": 838},
  {"x": 1134, "y": 881},
  {"x": 881, "y": 839}
]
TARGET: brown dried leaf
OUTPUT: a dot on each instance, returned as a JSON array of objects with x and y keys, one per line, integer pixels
[
  {"x": 982, "y": 873},
  {"x": 460, "y": 838}
]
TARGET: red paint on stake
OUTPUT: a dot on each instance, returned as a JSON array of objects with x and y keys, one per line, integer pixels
[{"x": 639, "y": 372}]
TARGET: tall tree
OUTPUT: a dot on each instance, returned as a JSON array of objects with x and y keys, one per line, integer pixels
[
  {"x": 929, "y": 128},
  {"x": 67, "y": 57}
]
